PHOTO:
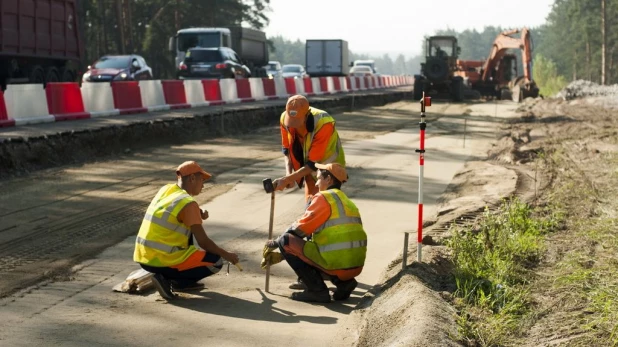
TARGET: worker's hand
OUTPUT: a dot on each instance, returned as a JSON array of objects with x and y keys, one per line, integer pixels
[
  {"x": 272, "y": 244},
  {"x": 283, "y": 183},
  {"x": 204, "y": 214},
  {"x": 231, "y": 257}
]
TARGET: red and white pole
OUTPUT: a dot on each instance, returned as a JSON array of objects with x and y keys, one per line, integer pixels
[{"x": 425, "y": 101}]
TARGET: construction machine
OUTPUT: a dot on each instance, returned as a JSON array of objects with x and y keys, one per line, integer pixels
[
  {"x": 499, "y": 76},
  {"x": 438, "y": 72}
]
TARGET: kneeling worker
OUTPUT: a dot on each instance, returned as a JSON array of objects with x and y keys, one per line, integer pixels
[
  {"x": 338, "y": 244},
  {"x": 164, "y": 244}
]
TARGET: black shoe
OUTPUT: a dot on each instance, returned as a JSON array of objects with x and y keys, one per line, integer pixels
[
  {"x": 344, "y": 289},
  {"x": 163, "y": 287},
  {"x": 187, "y": 287},
  {"x": 300, "y": 285},
  {"x": 307, "y": 296}
]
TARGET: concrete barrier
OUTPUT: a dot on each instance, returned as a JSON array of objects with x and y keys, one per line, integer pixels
[
  {"x": 195, "y": 92},
  {"x": 280, "y": 88},
  {"x": 336, "y": 84},
  {"x": 128, "y": 97},
  {"x": 315, "y": 82},
  {"x": 174, "y": 92},
  {"x": 27, "y": 104},
  {"x": 257, "y": 89},
  {"x": 98, "y": 99},
  {"x": 243, "y": 90},
  {"x": 270, "y": 91},
  {"x": 152, "y": 95},
  {"x": 228, "y": 91},
  {"x": 65, "y": 102},
  {"x": 300, "y": 86},
  {"x": 308, "y": 86},
  {"x": 5, "y": 120},
  {"x": 290, "y": 86}
]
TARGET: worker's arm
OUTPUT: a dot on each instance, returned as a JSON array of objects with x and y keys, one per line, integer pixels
[
  {"x": 191, "y": 216},
  {"x": 316, "y": 214},
  {"x": 209, "y": 245}
]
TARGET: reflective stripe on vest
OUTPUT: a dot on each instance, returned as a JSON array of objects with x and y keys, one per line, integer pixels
[
  {"x": 341, "y": 219},
  {"x": 343, "y": 245},
  {"x": 163, "y": 220},
  {"x": 159, "y": 246}
]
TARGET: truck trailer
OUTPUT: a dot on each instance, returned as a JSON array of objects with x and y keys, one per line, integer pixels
[
  {"x": 39, "y": 41},
  {"x": 250, "y": 44},
  {"x": 327, "y": 58}
]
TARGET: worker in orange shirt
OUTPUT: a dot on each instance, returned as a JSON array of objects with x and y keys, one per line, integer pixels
[
  {"x": 164, "y": 244},
  {"x": 338, "y": 243},
  {"x": 308, "y": 136}
]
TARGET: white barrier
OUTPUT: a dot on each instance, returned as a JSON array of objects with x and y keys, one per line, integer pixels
[
  {"x": 280, "y": 88},
  {"x": 343, "y": 82},
  {"x": 229, "y": 94},
  {"x": 315, "y": 83},
  {"x": 99, "y": 99},
  {"x": 27, "y": 104},
  {"x": 152, "y": 95},
  {"x": 257, "y": 89},
  {"x": 300, "y": 86},
  {"x": 194, "y": 91}
]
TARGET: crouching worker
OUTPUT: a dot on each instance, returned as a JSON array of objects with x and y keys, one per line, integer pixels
[
  {"x": 164, "y": 244},
  {"x": 338, "y": 242}
]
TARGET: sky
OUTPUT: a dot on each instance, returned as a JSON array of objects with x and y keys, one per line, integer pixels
[{"x": 396, "y": 26}]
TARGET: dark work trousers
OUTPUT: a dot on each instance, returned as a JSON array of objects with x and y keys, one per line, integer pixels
[
  {"x": 190, "y": 276},
  {"x": 310, "y": 275}
]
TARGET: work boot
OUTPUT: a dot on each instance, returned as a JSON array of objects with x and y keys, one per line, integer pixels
[
  {"x": 344, "y": 289},
  {"x": 309, "y": 296},
  {"x": 187, "y": 287},
  {"x": 163, "y": 286},
  {"x": 298, "y": 285}
]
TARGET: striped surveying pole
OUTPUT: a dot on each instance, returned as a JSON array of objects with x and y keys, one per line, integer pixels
[{"x": 425, "y": 101}]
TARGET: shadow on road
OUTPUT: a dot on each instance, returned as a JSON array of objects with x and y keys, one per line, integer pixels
[{"x": 229, "y": 306}]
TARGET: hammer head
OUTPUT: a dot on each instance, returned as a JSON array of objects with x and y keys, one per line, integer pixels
[{"x": 268, "y": 185}]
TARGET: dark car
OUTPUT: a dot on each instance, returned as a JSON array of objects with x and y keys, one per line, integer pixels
[
  {"x": 220, "y": 62},
  {"x": 118, "y": 68}
]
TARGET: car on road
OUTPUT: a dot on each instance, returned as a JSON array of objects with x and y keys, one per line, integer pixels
[
  {"x": 273, "y": 69},
  {"x": 361, "y": 71},
  {"x": 118, "y": 68},
  {"x": 216, "y": 62},
  {"x": 294, "y": 70}
]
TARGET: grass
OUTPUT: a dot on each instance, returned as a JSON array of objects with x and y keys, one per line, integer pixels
[{"x": 493, "y": 262}]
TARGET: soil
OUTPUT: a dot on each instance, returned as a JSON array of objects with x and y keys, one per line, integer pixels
[{"x": 412, "y": 306}]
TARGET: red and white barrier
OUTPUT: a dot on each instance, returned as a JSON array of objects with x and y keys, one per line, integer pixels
[
  {"x": 65, "y": 102},
  {"x": 30, "y": 103},
  {"x": 152, "y": 96},
  {"x": 27, "y": 104}
]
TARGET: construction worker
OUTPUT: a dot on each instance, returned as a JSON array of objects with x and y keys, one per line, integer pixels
[
  {"x": 338, "y": 244},
  {"x": 308, "y": 136},
  {"x": 164, "y": 244}
]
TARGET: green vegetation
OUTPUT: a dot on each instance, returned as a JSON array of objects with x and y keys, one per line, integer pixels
[
  {"x": 493, "y": 262},
  {"x": 546, "y": 76}
]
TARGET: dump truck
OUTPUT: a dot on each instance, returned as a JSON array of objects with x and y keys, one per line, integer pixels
[
  {"x": 250, "y": 44},
  {"x": 326, "y": 58},
  {"x": 39, "y": 42},
  {"x": 438, "y": 72}
]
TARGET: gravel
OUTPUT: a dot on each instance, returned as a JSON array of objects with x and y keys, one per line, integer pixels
[{"x": 582, "y": 88}]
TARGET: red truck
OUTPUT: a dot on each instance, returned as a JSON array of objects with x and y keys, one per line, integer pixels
[{"x": 39, "y": 41}]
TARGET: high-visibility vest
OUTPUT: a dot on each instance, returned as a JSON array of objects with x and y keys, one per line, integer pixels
[
  {"x": 341, "y": 242},
  {"x": 334, "y": 149},
  {"x": 162, "y": 240}
]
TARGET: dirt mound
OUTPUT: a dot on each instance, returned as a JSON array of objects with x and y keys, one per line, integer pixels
[{"x": 582, "y": 88}]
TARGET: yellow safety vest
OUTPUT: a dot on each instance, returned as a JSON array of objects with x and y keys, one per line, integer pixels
[
  {"x": 341, "y": 242},
  {"x": 162, "y": 240},
  {"x": 334, "y": 149}
]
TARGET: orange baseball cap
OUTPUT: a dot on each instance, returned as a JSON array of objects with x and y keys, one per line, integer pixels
[
  {"x": 336, "y": 169},
  {"x": 296, "y": 109},
  {"x": 190, "y": 167}
]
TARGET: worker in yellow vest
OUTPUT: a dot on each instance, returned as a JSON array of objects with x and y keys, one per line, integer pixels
[
  {"x": 164, "y": 244},
  {"x": 308, "y": 136},
  {"x": 338, "y": 243}
]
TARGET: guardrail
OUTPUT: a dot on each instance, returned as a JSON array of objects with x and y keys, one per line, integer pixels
[{"x": 32, "y": 103}]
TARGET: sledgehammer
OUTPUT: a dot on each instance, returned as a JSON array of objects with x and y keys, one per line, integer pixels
[{"x": 269, "y": 188}]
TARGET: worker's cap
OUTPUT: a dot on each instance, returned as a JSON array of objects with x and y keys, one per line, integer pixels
[
  {"x": 295, "y": 111},
  {"x": 190, "y": 167},
  {"x": 335, "y": 169}
]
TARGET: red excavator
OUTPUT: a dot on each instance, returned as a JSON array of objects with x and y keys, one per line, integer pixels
[{"x": 498, "y": 75}]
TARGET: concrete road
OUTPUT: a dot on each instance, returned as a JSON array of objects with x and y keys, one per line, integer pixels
[{"x": 81, "y": 205}]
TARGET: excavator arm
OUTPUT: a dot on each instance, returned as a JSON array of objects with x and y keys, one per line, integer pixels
[{"x": 505, "y": 41}]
